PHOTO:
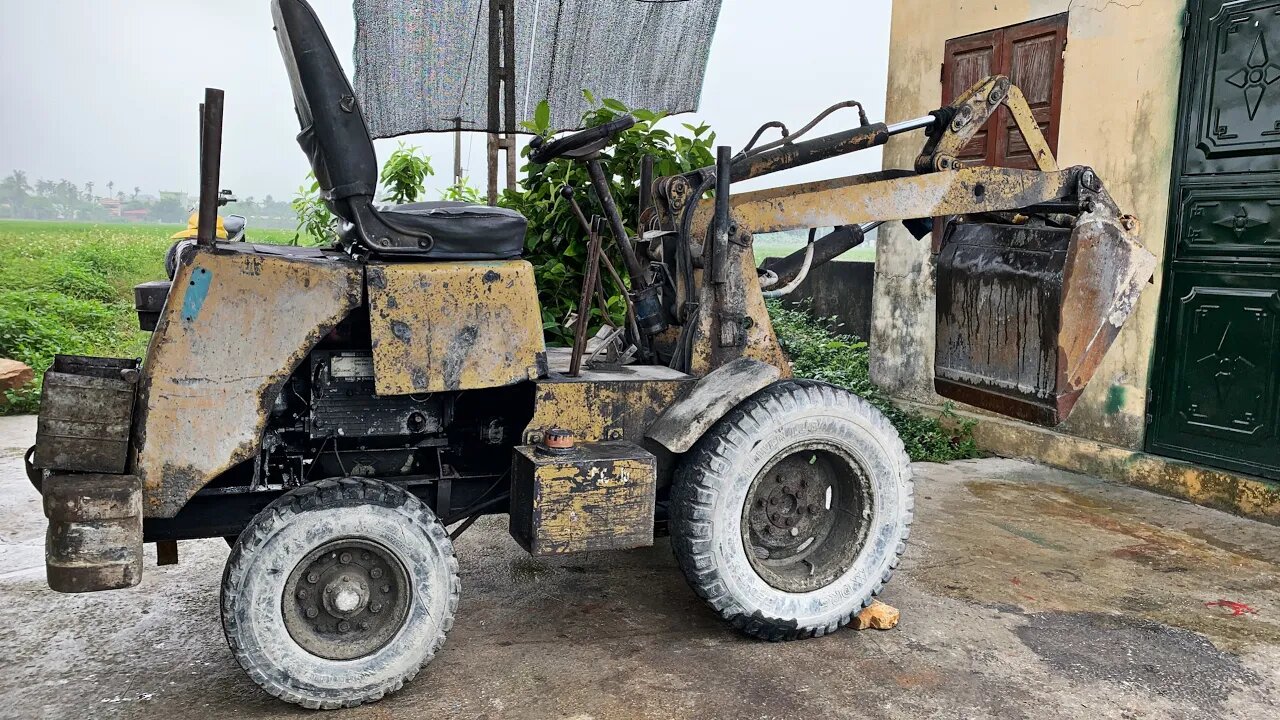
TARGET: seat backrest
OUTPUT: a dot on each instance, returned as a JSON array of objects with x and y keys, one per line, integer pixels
[{"x": 334, "y": 134}]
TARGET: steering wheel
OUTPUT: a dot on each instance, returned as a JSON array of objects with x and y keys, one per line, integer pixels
[{"x": 580, "y": 144}]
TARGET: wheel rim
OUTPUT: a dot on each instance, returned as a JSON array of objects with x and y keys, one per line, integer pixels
[
  {"x": 806, "y": 516},
  {"x": 346, "y": 599}
]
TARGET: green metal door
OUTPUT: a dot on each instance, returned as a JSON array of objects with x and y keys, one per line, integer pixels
[{"x": 1215, "y": 394}]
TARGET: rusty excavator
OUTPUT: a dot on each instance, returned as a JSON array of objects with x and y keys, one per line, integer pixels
[{"x": 332, "y": 411}]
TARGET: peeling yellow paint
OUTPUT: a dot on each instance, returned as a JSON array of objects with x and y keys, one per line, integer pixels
[
  {"x": 595, "y": 497},
  {"x": 454, "y": 326},
  {"x": 203, "y": 397},
  {"x": 607, "y": 410}
]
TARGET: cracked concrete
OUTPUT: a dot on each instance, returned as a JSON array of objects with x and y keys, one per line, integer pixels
[{"x": 1025, "y": 593}]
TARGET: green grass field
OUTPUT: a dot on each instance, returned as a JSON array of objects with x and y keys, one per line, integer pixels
[
  {"x": 784, "y": 243},
  {"x": 68, "y": 288}
]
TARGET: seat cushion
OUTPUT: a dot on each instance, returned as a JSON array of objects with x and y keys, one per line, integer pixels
[{"x": 461, "y": 231}]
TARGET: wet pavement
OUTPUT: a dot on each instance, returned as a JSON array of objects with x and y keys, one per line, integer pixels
[{"x": 1026, "y": 592}]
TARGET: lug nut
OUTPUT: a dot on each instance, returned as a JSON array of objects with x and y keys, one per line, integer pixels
[
  {"x": 375, "y": 607},
  {"x": 302, "y": 593},
  {"x": 313, "y": 578},
  {"x": 375, "y": 573},
  {"x": 364, "y": 556},
  {"x": 346, "y": 558},
  {"x": 344, "y": 626},
  {"x": 312, "y": 612},
  {"x": 386, "y": 588},
  {"x": 364, "y": 626}
]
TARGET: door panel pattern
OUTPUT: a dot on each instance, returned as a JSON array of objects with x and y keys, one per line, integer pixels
[
  {"x": 1228, "y": 354},
  {"x": 1224, "y": 223},
  {"x": 1239, "y": 96}
]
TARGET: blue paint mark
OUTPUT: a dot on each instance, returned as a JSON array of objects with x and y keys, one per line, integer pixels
[{"x": 199, "y": 288}]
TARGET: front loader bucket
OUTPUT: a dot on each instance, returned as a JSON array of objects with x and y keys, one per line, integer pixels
[{"x": 1026, "y": 313}]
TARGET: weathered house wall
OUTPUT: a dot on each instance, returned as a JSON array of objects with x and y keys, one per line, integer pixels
[{"x": 1120, "y": 93}]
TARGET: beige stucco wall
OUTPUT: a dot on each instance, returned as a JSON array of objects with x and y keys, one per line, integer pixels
[{"x": 1120, "y": 91}]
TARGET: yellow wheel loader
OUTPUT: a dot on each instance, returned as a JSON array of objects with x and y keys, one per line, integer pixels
[{"x": 331, "y": 411}]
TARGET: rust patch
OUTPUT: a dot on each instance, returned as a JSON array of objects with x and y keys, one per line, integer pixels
[
  {"x": 203, "y": 400},
  {"x": 453, "y": 326}
]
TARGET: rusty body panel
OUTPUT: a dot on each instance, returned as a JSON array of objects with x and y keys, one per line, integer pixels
[
  {"x": 94, "y": 541},
  {"x": 733, "y": 321},
  {"x": 454, "y": 326},
  {"x": 593, "y": 496},
  {"x": 85, "y": 414},
  {"x": 711, "y": 397},
  {"x": 205, "y": 396},
  {"x": 605, "y": 405}
]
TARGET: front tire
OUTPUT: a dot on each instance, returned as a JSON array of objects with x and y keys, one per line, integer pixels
[
  {"x": 791, "y": 513},
  {"x": 338, "y": 592}
]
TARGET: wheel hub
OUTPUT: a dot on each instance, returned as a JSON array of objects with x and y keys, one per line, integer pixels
[
  {"x": 802, "y": 524},
  {"x": 345, "y": 596},
  {"x": 346, "y": 599}
]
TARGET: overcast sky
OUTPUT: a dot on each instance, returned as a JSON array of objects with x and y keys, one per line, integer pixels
[{"x": 108, "y": 91}]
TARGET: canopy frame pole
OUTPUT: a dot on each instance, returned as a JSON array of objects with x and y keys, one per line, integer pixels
[{"x": 502, "y": 92}]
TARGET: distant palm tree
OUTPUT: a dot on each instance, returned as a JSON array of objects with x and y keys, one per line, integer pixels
[
  {"x": 14, "y": 191},
  {"x": 88, "y": 191},
  {"x": 111, "y": 186},
  {"x": 136, "y": 190}
]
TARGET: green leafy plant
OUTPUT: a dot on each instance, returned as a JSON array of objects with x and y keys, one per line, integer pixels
[
  {"x": 463, "y": 191},
  {"x": 555, "y": 243},
  {"x": 315, "y": 219},
  {"x": 404, "y": 175},
  {"x": 843, "y": 360}
]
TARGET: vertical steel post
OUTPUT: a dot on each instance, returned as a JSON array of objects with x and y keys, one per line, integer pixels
[
  {"x": 720, "y": 240},
  {"x": 646, "y": 191},
  {"x": 502, "y": 92},
  {"x": 508, "y": 8},
  {"x": 210, "y": 165}
]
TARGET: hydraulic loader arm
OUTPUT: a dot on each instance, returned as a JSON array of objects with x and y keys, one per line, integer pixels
[
  {"x": 1049, "y": 238},
  {"x": 940, "y": 184},
  {"x": 970, "y": 112}
]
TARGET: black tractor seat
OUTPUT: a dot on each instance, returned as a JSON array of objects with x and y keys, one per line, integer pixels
[
  {"x": 336, "y": 140},
  {"x": 460, "y": 231}
]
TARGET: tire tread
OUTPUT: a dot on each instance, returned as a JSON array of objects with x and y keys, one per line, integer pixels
[
  {"x": 324, "y": 494},
  {"x": 699, "y": 479}
]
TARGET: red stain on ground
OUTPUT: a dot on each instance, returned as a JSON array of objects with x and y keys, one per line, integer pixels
[{"x": 1236, "y": 608}]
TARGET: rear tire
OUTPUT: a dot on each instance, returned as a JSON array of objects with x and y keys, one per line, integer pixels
[
  {"x": 338, "y": 592},
  {"x": 791, "y": 513}
]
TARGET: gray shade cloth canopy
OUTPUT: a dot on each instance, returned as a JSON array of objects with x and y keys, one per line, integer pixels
[{"x": 422, "y": 63}]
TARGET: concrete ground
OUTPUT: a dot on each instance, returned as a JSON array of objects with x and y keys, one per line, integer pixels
[{"x": 1026, "y": 592}]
